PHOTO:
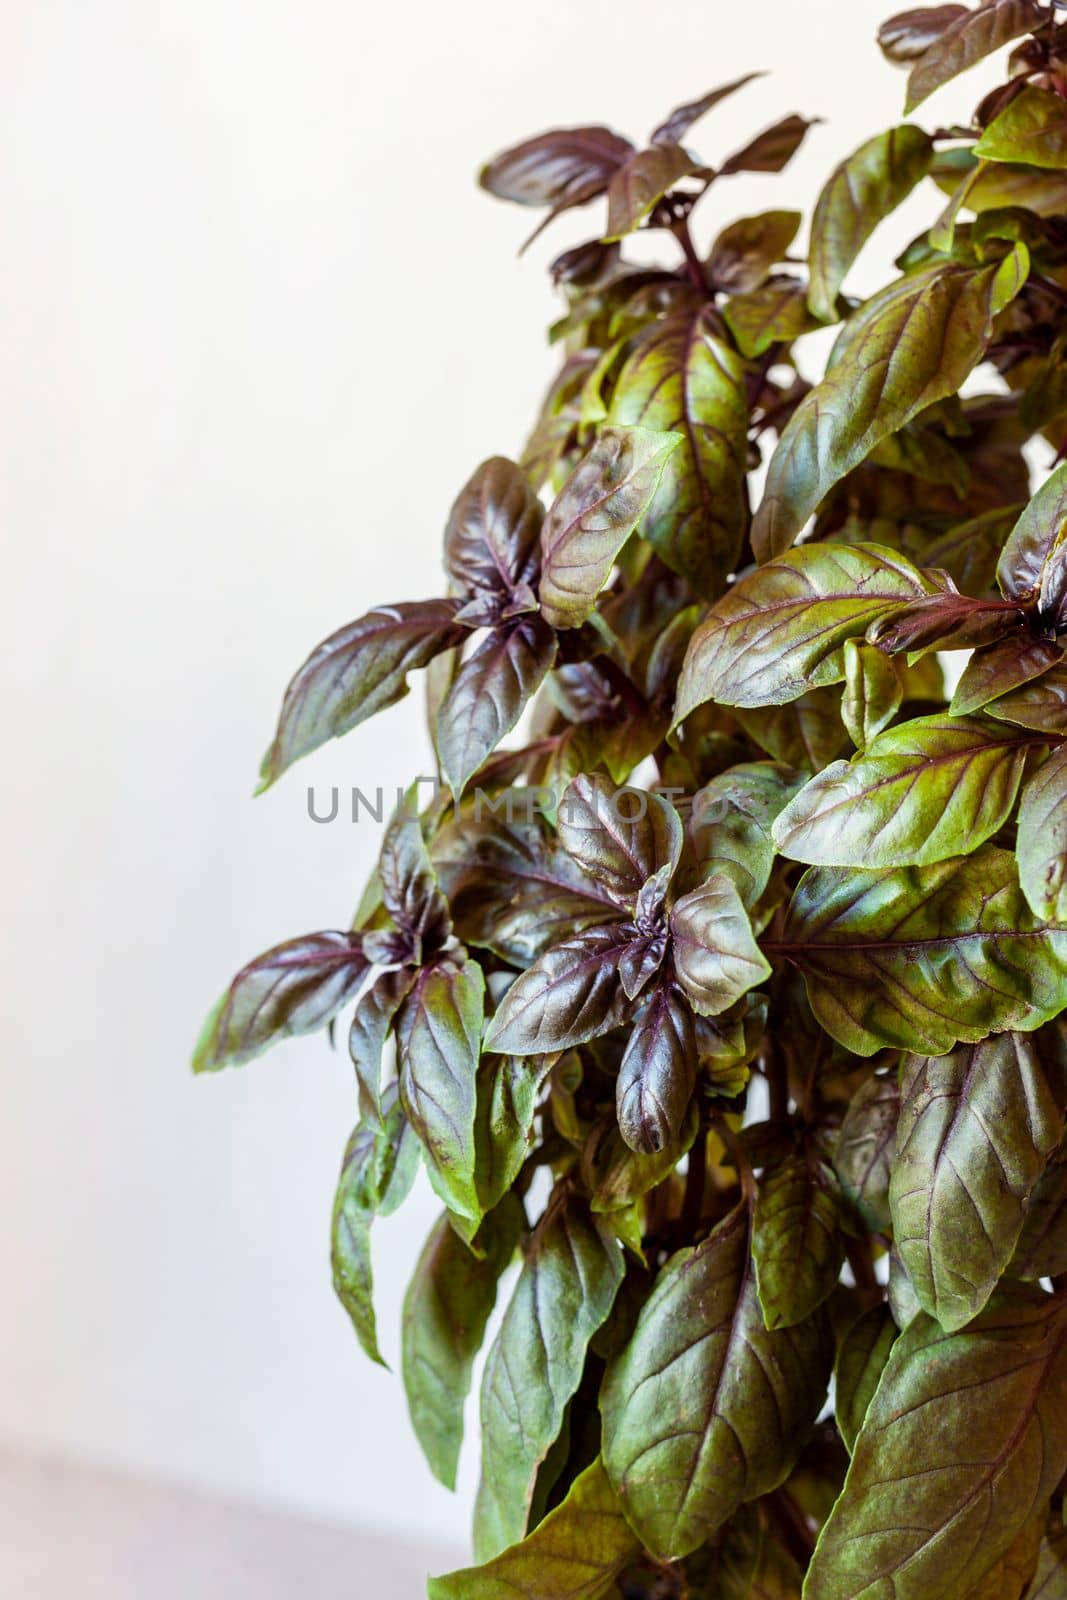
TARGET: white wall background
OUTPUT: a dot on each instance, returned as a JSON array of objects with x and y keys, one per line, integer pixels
[{"x": 257, "y": 326}]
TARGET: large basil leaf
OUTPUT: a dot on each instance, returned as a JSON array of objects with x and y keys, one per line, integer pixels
[
  {"x": 773, "y": 314},
  {"x": 294, "y": 988},
  {"x": 510, "y": 885},
  {"x": 594, "y": 514},
  {"x": 490, "y": 693},
  {"x": 1041, "y": 845},
  {"x": 360, "y": 669},
  {"x": 863, "y": 1155},
  {"x": 576, "y": 1553},
  {"x": 642, "y": 180},
  {"x": 716, "y": 955},
  {"x": 566, "y": 1289},
  {"x": 1002, "y": 667},
  {"x": 770, "y": 150},
  {"x": 779, "y": 632},
  {"x": 1033, "y": 563},
  {"x": 965, "y": 1435},
  {"x": 730, "y": 821},
  {"x": 658, "y": 1070},
  {"x": 560, "y": 168},
  {"x": 910, "y": 346},
  {"x": 1032, "y": 129},
  {"x": 680, "y": 377},
  {"x": 619, "y": 838},
  {"x": 924, "y": 957},
  {"x": 492, "y": 540},
  {"x": 447, "y": 1306},
  {"x": 861, "y": 192},
  {"x": 377, "y": 1172},
  {"x": 970, "y": 37},
  {"x": 921, "y": 791},
  {"x": 976, "y": 1128},
  {"x": 860, "y": 1362},
  {"x": 570, "y": 995},
  {"x": 438, "y": 1038},
  {"x": 706, "y": 1408},
  {"x": 796, "y": 1242}
]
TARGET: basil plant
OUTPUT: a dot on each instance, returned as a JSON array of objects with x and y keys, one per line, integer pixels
[{"x": 720, "y": 983}]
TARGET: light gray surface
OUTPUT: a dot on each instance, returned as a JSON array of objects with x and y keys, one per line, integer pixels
[{"x": 70, "y": 1533}]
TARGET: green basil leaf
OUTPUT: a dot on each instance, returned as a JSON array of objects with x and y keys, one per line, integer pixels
[
  {"x": 807, "y": 733},
  {"x": 910, "y": 346},
  {"x": 796, "y": 1242},
  {"x": 446, "y": 1309},
  {"x": 490, "y": 693},
  {"x": 976, "y": 1128},
  {"x": 576, "y": 1553},
  {"x": 642, "y": 180},
  {"x": 1041, "y": 845},
  {"x": 295, "y": 988},
  {"x": 860, "y": 193},
  {"x": 566, "y": 1289},
  {"x": 976, "y": 1418},
  {"x": 777, "y": 313},
  {"x": 357, "y": 671},
  {"x": 729, "y": 824},
  {"x": 572, "y": 994},
  {"x": 860, "y": 1362},
  {"x": 873, "y": 691},
  {"x": 378, "y": 1169},
  {"x": 967, "y": 40},
  {"x": 1042, "y": 1248},
  {"x": 863, "y": 1154},
  {"x": 705, "y": 1408},
  {"x": 680, "y": 377},
  {"x": 657, "y": 1072},
  {"x": 779, "y": 632},
  {"x": 594, "y": 514},
  {"x": 716, "y": 955},
  {"x": 921, "y": 791},
  {"x": 1033, "y": 564},
  {"x": 744, "y": 253},
  {"x": 438, "y": 1043},
  {"x": 922, "y": 958},
  {"x": 493, "y": 536},
  {"x": 619, "y": 838},
  {"x": 1032, "y": 129}
]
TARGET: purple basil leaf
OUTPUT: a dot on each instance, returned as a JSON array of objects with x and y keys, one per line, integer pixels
[
  {"x": 658, "y": 1070},
  {"x": 357, "y": 671},
  {"x": 296, "y": 987},
  {"x": 641, "y": 962},
  {"x": 570, "y": 995},
  {"x": 489, "y": 695},
  {"x": 770, "y": 150},
  {"x": 715, "y": 952},
  {"x": 409, "y": 884},
  {"x": 618, "y": 853},
  {"x": 493, "y": 533},
  {"x": 643, "y": 181},
  {"x": 371, "y": 1022},
  {"x": 673, "y": 129},
  {"x": 559, "y": 168}
]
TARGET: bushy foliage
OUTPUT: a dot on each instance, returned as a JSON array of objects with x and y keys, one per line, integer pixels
[{"x": 729, "y": 1002}]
